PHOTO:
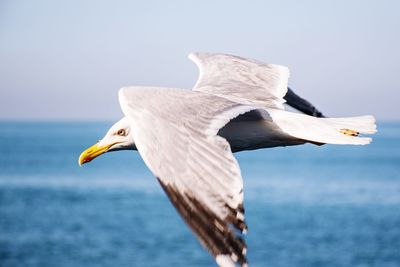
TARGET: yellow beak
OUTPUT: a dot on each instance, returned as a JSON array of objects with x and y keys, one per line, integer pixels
[{"x": 92, "y": 152}]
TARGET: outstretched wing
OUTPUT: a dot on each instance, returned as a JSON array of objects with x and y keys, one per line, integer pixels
[
  {"x": 195, "y": 167},
  {"x": 241, "y": 80}
]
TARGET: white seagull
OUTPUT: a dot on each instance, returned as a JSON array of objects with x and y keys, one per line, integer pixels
[{"x": 186, "y": 138}]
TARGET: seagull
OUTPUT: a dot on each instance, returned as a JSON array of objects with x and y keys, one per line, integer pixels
[{"x": 187, "y": 139}]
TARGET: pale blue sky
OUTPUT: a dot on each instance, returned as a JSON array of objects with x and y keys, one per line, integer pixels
[{"x": 67, "y": 59}]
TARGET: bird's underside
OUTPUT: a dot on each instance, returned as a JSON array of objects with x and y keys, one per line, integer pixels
[{"x": 255, "y": 130}]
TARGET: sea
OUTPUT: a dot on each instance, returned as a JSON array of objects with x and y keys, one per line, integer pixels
[{"x": 306, "y": 206}]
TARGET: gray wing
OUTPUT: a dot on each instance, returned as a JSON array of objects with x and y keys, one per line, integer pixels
[
  {"x": 195, "y": 167},
  {"x": 248, "y": 81},
  {"x": 241, "y": 80}
]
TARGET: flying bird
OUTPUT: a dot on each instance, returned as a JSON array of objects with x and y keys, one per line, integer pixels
[{"x": 187, "y": 137}]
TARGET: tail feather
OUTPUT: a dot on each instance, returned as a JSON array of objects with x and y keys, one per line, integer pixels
[{"x": 325, "y": 130}]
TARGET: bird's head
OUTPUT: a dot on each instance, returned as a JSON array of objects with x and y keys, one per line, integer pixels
[{"x": 118, "y": 137}]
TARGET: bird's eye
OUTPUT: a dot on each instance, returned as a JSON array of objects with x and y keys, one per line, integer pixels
[{"x": 121, "y": 132}]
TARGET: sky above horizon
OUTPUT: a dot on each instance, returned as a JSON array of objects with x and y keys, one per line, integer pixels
[{"x": 66, "y": 60}]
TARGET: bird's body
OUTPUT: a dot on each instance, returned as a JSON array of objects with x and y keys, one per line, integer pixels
[
  {"x": 186, "y": 138},
  {"x": 254, "y": 130}
]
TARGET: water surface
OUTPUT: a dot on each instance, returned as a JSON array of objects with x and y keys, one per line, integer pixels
[{"x": 305, "y": 206}]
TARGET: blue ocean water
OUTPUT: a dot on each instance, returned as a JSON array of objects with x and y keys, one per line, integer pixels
[{"x": 305, "y": 206}]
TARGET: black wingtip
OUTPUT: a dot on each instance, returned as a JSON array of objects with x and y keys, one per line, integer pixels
[
  {"x": 295, "y": 101},
  {"x": 215, "y": 234}
]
